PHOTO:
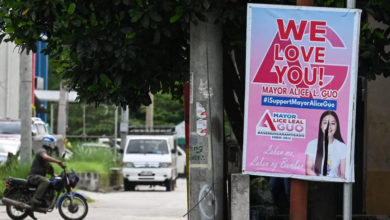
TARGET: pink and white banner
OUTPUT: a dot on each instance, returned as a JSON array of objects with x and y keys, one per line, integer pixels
[{"x": 301, "y": 78}]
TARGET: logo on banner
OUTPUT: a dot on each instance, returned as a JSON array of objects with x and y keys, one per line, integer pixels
[
  {"x": 281, "y": 126},
  {"x": 301, "y": 66}
]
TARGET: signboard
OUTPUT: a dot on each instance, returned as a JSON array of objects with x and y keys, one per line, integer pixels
[{"x": 301, "y": 79}]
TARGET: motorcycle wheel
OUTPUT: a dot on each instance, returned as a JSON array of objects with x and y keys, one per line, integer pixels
[
  {"x": 12, "y": 211},
  {"x": 16, "y": 213},
  {"x": 77, "y": 211}
]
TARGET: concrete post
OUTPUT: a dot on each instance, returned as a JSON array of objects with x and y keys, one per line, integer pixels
[
  {"x": 150, "y": 112},
  {"x": 61, "y": 125},
  {"x": 124, "y": 126},
  {"x": 84, "y": 121},
  {"x": 115, "y": 132},
  {"x": 25, "y": 106},
  {"x": 206, "y": 160},
  {"x": 52, "y": 118},
  {"x": 239, "y": 206}
]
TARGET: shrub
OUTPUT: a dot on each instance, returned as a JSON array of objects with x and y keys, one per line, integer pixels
[{"x": 90, "y": 159}]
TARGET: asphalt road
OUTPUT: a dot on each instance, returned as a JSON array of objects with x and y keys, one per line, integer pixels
[{"x": 144, "y": 204}]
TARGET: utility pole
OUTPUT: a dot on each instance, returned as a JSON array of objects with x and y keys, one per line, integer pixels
[
  {"x": 25, "y": 106},
  {"x": 206, "y": 161}
]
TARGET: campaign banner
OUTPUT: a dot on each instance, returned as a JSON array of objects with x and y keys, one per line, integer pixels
[{"x": 301, "y": 79}]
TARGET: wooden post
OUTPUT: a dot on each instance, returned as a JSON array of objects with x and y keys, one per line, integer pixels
[{"x": 298, "y": 199}]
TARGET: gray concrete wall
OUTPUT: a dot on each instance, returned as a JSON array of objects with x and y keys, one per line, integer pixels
[
  {"x": 9, "y": 80},
  {"x": 100, "y": 183},
  {"x": 377, "y": 146},
  {"x": 240, "y": 197}
]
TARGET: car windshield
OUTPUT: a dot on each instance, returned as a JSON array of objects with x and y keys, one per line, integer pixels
[
  {"x": 9, "y": 127},
  {"x": 147, "y": 147}
]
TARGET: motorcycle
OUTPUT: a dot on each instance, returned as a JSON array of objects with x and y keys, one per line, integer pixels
[{"x": 71, "y": 205}]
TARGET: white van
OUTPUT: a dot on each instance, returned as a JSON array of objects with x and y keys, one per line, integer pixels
[
  {"x": 150, "y": 158},
  {"x": 181, "y": 162}
]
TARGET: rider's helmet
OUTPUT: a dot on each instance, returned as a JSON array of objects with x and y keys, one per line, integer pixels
[{"x": 49, "y": 141}]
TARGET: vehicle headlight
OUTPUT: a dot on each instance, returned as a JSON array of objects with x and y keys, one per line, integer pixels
[
  {"x": 128, "y": 164},
  {"x": 165, "y": 165}
]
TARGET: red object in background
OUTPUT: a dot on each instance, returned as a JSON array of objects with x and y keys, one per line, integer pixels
[
  {"x": 187, "y": 113},
  {"x": 33, "y": 79}
]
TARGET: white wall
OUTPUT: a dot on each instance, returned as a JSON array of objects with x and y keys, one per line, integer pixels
[{"x": 9, "y": 80}]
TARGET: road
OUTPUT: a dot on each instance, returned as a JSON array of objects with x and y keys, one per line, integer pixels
[{"x": 144, "y": 204}]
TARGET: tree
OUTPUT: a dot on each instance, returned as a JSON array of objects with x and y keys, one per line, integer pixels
[{"x": 117, "y": 51}]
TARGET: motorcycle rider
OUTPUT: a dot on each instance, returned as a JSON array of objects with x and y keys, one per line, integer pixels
[{"x": 41, "y": 166}]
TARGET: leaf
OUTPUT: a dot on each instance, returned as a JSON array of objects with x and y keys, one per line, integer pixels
[
  {"x": 21, "y": 24},
  {"x": 131, "y": 35},
  {"x": 105, "y": 79},
  {"x": 76, "y": 23},
  {"x": 379, "y": 34},
  {"x": 33, "y": 16},
  {"x": 9, "y": 30},
  {"x": 140, "y": 3},
  {"x": 365, "y": 54},
  {"x": 135, "y": 15},
  {"x": 25, "y": 11},
  {"x": 154, "y": 25},
  {"x": 174, "y": 18},
  {"x": 365, "y": 26},
  {"x": 71, "y": 8},
  {"x": 18, "y": 41},
  {"x": 93, "y": 87}
]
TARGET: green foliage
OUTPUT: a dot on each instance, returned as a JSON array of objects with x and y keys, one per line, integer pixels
[
  {"x": 99, "y": 120},
  {"x": 90, "y": 159},
  {"x": 116, "y": 51},
  {"x": 374, "y": 37},
  {"x": 167, "y": 111}
]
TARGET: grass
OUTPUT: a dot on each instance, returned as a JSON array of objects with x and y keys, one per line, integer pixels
[{"x": 91, "y": 159}]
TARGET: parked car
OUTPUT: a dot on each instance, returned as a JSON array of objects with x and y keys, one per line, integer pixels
[
  {"x": 10, "y": 134},
  {"x": 39, "y": 130},
  {"x": 9, "y": 138},
  {"x": 109, "y": 141}
]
